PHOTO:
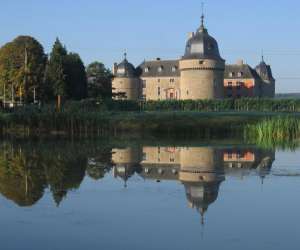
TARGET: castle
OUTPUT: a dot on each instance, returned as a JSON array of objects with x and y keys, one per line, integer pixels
[{"x": 200, "y": 74}]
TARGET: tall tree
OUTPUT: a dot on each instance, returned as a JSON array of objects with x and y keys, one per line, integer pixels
[
  {"x": 55, "y": 78},
  {"x": 22, "y": 66},
  {"x": 75, "y": 77},
  {"x": 99, "y": 80}
]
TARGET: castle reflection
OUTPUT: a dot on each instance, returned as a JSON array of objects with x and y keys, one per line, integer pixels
[
  {"x": 26, "y": 171},
  {"x": 200, "y": 170}
]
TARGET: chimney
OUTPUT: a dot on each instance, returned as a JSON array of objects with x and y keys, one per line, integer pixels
[
  {"x": 240, "y": 62},
  {"x": 114, "y": 69}
]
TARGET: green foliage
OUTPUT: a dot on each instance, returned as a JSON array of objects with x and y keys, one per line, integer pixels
[
  {"x": 99, "y": 81},
  {"x": 65, "y": 75},
  {"x": 275, "y": 130},
  {"x": 240, "y": 105},
  {"x": 22, "y": 66},
  {"x": 75, "y": 77},
  {"x": 55, "y": 79}
]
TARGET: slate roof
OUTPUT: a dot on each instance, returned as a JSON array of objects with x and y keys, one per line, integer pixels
[
  {"x": 264, "y": 71},
  {"x": 202, "y": 46},
  {"x": 153, "y": 68},
  {"x": 125, "y": 69},
  {"x": 245, "y": 69}
]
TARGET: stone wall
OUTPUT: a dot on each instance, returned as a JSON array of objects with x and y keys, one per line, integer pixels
[
  {"x": 130, "y": 86},
  {"x": 201, "y": 79}
]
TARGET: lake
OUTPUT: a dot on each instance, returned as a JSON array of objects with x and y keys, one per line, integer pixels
[{"x": 148, "y": 194}]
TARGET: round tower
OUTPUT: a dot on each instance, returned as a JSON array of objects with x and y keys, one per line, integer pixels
[
  {"x": 201, "y": 67},
  {"x": 200, "y": 164},
  {"x": 126, "y": 84}
]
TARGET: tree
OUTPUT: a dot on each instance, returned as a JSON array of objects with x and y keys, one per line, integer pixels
[
  {"x": 99, "y": 80},
  {"x": 55, "y": 78},
  {"x": 22, "y": 67},
  {"x": 75, "y": 77}
]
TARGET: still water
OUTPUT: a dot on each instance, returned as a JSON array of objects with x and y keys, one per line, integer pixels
[{"x": 139, "y": 195}]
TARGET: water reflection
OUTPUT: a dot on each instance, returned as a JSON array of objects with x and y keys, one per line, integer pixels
[
  {"x": 26, "y": 171},
  {"x": 200, "y": 170}
]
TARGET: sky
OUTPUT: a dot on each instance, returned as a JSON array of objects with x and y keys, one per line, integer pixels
[{"x": 102, "y": 30}]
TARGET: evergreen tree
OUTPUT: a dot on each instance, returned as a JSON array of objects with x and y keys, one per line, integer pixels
[
  {"x": 55, "y": 79},
  {"x": 75, "y": 77},
  {"x": 99, "y": 80}
]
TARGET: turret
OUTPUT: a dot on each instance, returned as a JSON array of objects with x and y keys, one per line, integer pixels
[
  {"x": 126, "y": 84},
  {"x": 267, "y": 79}
]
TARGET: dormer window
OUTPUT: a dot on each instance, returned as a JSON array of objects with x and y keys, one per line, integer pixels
[
  {"x": 147, "y": 69},
  {"x": 121, "y": 71},
  {"x": 174, "y": 68},
  {"x": 240, "y": 74},
  {"x": 231, "y": 74},
  {"x": 160, "y": 69}
]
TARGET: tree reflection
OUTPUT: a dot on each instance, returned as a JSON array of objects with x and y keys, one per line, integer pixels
[{"x": 26, "y": 170}]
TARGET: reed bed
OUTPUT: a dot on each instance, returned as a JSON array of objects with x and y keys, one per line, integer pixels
[{"x": 275, "y": 130}]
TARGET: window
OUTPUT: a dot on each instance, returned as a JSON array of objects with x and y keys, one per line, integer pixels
[
  {"x": 144, "y": 84},
  {"x": 160, "y": 69},
  {"x": 197, "y": 48},
  {"x": 121, "y": 71},
  {"x": 172, "y": 80},
  {"x": 144, "y": 156},
  {"x": 201, "y": 62},
  {"x": 174, "y": 68},
  {"x": 147, "y": 69},
  {"x": 187, "y": 92},
  {"x": 229, "y": 85},
  {"x": 158, "y": 80},
  {"x": 240, "y": 74},
  {"x": 158, "y": 90},
  {"x": 231, "y": 74}
]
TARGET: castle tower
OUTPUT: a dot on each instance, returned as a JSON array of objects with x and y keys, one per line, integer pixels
[
  {"x": 268, "y": 81},
  {"x": 126, "y": 84},
  {"x": 201, "y": 67}
]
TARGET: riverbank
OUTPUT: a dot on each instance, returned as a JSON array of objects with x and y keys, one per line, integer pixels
[{"x": 37, "y": 122}]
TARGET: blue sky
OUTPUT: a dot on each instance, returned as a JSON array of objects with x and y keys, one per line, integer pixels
[{"x": 102, "y": 30}]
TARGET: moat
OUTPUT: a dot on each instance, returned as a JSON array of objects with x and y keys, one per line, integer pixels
[{"x": 148, "y": 194}]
